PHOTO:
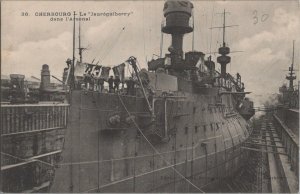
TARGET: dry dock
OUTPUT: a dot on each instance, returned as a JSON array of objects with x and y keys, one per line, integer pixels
[{"x": 273, "y": 165}]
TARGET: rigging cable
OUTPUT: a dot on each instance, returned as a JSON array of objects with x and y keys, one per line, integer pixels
[
  {"x": 105, "y": 44},
  {"x": 98, "y": 155},
  {"x": 193, "y": 37},
  {"x": 79, "y": 142},
  {"x": 198, "y": 24},
  {"x": 109, "y": 49},
  {"x": 186, "y": 155},
  {"x": 174, "y": 175},
  {"x": 71, "y": 166},
  {"x": 212, "y": 18},
  {"x": 206, "y": 24},
  {"x": 135, "y": 155},
  {"x": 138, "y": 65},
  {"x": 144, "y": 29},
  {"x": 98, "y": 146}
]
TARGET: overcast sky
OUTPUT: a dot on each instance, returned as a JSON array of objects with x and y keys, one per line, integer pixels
[{"x": 265, "y": 34}]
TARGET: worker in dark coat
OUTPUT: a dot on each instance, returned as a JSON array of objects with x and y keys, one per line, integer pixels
[
  {"x": 101, "y": 84},
  {"x": 117, "y": 83},
  {"x": 88, "y": 81},
  {"x": 111, "y": 84},
  {"x": 130, "y": 86}
]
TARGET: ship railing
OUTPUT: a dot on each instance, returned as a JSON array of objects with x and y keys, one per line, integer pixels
[
  {"x": 227, "y": 83},
  {"x": 28, "y": 118},
  {"x": 290, "y": 142}
]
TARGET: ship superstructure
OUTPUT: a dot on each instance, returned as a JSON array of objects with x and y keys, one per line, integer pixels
[{"x": 178, "y": 127}]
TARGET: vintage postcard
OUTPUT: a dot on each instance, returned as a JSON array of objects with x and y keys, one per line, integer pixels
[{"x": 173, "y": 96}]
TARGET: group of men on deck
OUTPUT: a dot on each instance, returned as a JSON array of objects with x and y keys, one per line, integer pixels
[
  {"x": 97, "y": 84},
  {"x": 88, "y": 77}
]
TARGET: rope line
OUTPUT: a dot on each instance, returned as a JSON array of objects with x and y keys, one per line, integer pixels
[
  {"x": 79, "y": 142},
  {"x": 71, "y": 149},
  {"x": 109, "y": 49},
  {"x": 98, "y": 146},
  {"x": 28, "y": 160},
  {"x": 155, "y": 148}
]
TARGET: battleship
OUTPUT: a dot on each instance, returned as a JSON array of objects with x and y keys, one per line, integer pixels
[
  {"x": 178, "y": 129},
  {"x": 178, "y": 126}
]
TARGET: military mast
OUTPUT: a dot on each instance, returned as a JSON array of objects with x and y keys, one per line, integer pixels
[
  {"x": 80, "y": 49},
  {"x": 72, "y": 86},
  {"x": 224, "y": 51},
  {"x": 291, "y": 77}
]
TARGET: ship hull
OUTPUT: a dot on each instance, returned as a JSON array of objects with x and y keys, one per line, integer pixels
[{"x": 197, "y": 142}]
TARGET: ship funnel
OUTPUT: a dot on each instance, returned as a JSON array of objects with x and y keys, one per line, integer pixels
[
  {"x": 177, "y": 23},
  {"x": 45, "y": 77}
]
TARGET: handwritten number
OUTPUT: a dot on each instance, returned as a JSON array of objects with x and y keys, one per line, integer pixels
[
  {"x": 255, "y": 17},
  {"x": 264, "y": 17}
]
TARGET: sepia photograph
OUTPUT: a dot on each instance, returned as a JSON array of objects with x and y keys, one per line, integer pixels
[{"x": 140, "y": 96}]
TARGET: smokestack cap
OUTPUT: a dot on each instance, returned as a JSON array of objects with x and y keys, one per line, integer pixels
[
  {"x": 45, "y": 67},
  {"x": 178, "y": 6}
]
